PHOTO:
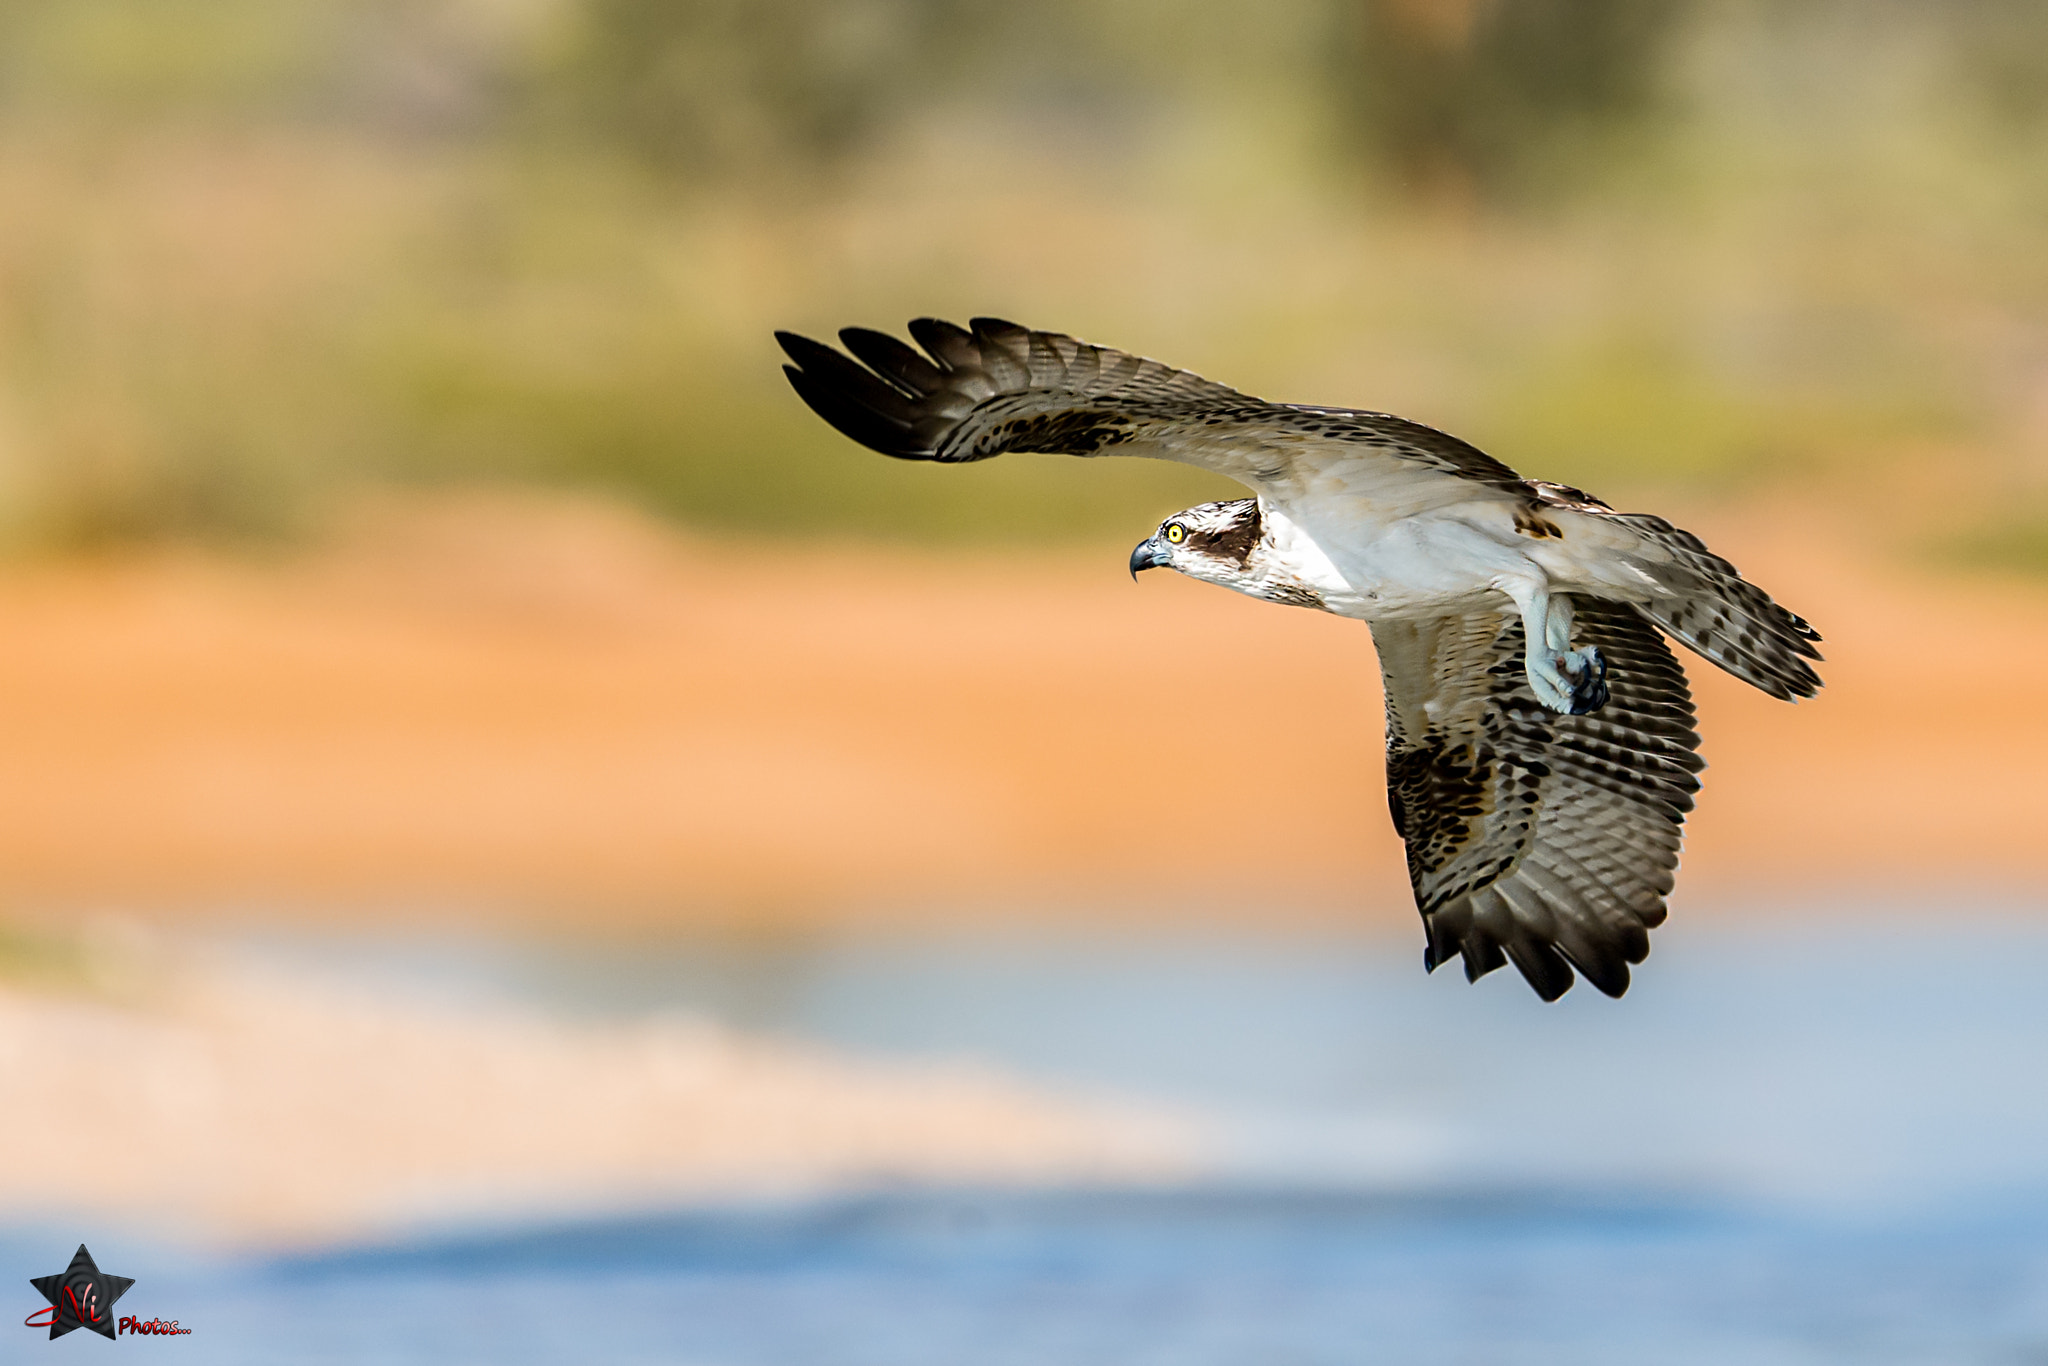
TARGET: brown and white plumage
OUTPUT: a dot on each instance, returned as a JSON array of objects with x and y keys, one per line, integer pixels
[
  {"x": 1540, "y": 748},
  {"x": 1001, "y": 388},
  {"x": 1549, "y": 838}
]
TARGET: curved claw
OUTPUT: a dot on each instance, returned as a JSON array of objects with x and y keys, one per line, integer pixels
[
  {"x": 1586, "y": 669},
  {"x": 1573, "y": 682}
]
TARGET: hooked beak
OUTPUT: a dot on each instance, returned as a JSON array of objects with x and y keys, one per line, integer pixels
[{"x": 1150, "y": 554}]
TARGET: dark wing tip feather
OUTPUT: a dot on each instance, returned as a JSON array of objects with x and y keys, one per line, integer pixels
[
  {"x": 1542, "y": 966},
  {"x": 1482, "y": 955},
  {"x": 1605, "y": 965},
  {"x": 1547, "y": 968},
  {"x": 875, "y": 430},
  {"x": 951, "y": 345},
  {"x": 858, "y": 402},
  {"x": 997, "y": 329},
  {"x": 905, "y": 366}
]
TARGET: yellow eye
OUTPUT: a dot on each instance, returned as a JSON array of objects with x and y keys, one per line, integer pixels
[{"x": 1176, "y": 533}]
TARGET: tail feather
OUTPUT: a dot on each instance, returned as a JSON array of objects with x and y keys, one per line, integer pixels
[{"x": 1725, "y": 618}]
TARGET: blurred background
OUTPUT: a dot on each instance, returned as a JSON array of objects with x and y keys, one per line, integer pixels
[{"x": 497, "y": 800}]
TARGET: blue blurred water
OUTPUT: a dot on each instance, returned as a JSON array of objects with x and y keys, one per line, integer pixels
[
  {"x": 1882, "y": 1061},
  {"x": 1817, "y": 1140},
  {"x": 1212, "y": 1276}
]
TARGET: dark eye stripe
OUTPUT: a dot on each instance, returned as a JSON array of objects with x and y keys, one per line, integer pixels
[{"x": 1234, "y": 541}]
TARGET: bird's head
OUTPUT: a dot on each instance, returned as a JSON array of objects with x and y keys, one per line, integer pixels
[{"x": 1213, "y": 542}]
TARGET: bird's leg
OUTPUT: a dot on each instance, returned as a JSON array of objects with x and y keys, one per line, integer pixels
[
  {"x": 1585, "y": 667},
  {"x": 1563, "y": 679}
]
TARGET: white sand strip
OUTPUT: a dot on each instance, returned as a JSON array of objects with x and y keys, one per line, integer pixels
[{"x": 245, "y": 1106}]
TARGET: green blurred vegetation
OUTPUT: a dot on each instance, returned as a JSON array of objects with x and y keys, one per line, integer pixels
[
  {"x": 1509, "y": 101},
  {"x": 31, "y": 957},
  {"x": 2010, "y": 540},
  {"x": 255, "y": 253}
]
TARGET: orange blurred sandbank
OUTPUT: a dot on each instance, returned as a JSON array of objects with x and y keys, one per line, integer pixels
[{"x": 551, "y": 713}]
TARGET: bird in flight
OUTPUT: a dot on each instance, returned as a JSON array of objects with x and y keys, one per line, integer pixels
[{"x": 1541, "y": 754}]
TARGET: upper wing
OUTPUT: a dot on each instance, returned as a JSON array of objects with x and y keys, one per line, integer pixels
[
  {"x": 999, "y": 387},
  {"x": 1543, "y": 839}
]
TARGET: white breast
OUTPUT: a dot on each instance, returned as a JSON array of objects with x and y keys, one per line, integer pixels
[{"x": 1376, "y": 562}]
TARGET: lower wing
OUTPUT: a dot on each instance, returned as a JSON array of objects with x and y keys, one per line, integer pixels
[{"x": 1544, "y": 840}]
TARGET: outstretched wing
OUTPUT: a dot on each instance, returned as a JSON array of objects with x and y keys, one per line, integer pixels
[
  {"x": 997, "y": 387},
  {"x": 1536, "y": 838}
]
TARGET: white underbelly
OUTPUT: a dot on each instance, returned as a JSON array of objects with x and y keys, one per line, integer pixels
[{"x": 1424, "y": 565}]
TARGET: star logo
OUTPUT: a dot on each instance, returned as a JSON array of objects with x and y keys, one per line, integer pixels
[{"x": 80, "y": 1296}]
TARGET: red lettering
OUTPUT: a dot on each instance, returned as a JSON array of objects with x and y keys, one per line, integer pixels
[{"x": 128, "y": 1324}]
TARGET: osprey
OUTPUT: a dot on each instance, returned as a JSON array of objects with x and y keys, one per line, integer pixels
[{"x": 1541, "y": 754}]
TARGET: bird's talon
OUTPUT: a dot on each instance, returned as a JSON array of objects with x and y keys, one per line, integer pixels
[
  {"x": 1573, "y": 682},
  {"x": 1587, "y": 670}
]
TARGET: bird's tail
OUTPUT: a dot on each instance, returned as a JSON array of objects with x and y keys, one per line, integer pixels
[{"x": 1722, "y": 616}]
